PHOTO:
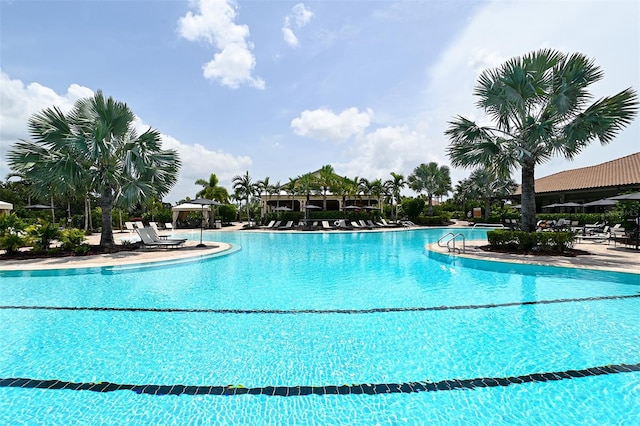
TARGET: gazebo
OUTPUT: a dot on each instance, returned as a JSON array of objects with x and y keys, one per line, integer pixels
[
  {"x": 182, "y": 210},
  {"x": 5, "y": 207}
]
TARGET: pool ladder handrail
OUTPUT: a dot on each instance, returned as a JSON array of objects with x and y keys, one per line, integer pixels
[{"x": 451, "y": 242}]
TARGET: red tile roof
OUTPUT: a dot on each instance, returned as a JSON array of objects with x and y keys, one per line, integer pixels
[{"x": 621, "y": 172}]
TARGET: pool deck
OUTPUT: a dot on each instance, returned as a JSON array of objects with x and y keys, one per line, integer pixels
[{"x": 602, "y": 256}]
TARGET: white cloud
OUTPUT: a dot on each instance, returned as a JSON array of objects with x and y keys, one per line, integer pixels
[
  {"x": 388, "y": 149},
  {"x": 299, "y": 17},
  {"x": 198, "y": 162},
  {"x": 324, "y": 124},
  {"x": 214, "y": 23},
  {"x": 19, "y": 101},
  {"x": 290, "y": 37}
]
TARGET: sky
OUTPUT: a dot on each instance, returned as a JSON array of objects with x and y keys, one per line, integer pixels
[{"x": 280, "y": 88}]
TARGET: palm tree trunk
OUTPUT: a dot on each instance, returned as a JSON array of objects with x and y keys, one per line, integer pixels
[
  {"x": 487, "y": 207},
  {"x": 87, "y": 213},
  {"x": 430, "y": 204},
  {"x": 528, "y": 204},
  {"x": 106, "y": 201}
]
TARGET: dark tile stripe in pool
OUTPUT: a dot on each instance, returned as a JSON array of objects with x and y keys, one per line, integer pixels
[
  {"x": 317, "y": 311},
  {"x": 354, "y": 389}
]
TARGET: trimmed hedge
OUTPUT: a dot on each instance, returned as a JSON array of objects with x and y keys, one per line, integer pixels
[{"x": 521, "y": 241}]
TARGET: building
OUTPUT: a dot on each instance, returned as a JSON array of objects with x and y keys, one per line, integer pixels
[{"x": 588, "y": 184}]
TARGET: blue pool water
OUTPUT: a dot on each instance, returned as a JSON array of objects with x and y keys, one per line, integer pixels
[{"x": 371, "y": 311}]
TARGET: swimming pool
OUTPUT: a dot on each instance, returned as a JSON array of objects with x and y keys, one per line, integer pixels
[{"x": 343, "y": 328}]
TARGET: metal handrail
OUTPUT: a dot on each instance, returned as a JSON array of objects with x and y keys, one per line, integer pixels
[
  {"x": 453, "y": 240},
  {"x": 443, "y": 237}
]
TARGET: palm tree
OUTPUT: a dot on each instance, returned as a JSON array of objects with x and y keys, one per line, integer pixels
[
  {"x": 488, "y": 186},
  {"x": 306, "y": 184},
  {"x": 291, "y": 188},
  {"x": 276, "y": 189},
  {"x": 95, "y": 147},
  {"x": 395, "y": 185},
  {"x": 211, "y": 191},
  {"x": 539, "y": 104},
  {"x": 464, "y": 191},
  {"x": 433, "y": 179},
  {"x": 364, "y": 187},
  {"x": 325, "y": 180},
  {"x": 377, "y": 190},
  {"x": 245, "y": 188}
]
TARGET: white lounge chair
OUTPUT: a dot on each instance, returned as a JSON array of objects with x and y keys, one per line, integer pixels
[
  {"x": 149, "y": 241},
  {"x": 269, "y": 225}
]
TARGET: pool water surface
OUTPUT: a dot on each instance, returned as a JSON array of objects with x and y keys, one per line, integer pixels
[{"x": 331, "y": 328}]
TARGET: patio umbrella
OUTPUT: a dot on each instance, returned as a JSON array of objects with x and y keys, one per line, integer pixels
[
  {"x": 551, "y": 206},
  {"x": 37, "y": 207},
  {"x": 282, "y": 209},
  {"x": 310, "y": 207},
  {"x": 600, "y": 203},
  {"x": 204, "y": 202},
  {"x": 634, "y": 196},
  {"x": 569, "y": 204},
  {"x": 352, "y": 208}
]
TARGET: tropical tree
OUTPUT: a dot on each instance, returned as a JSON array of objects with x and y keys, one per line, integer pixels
[
  {"x": 211, "y": 191},
  {"x": 96, "y": 148},
  {"x": 377, "y": 190},
  {"x": 291, "y": 189},
  {"x": 487, "y": 186},
  {"x": 430, "y": 178},
  {"x": 245, "y": 188},
  {"x": 539, "y": 104},
  {"x": 395, "y": 185},
  {"x": 463, "y": 192},
  {"x": 306, "y": 184},
  {"x": 277, "y": 189},
  {"x": 325, "y": 180},
  {"x": 365, "y": 188}
]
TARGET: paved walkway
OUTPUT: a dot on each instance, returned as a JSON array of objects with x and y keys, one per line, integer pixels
[{"x": 602, "y": 256}]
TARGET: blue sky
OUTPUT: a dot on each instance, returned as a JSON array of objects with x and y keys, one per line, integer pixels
[{"x": 282, "y": 88}]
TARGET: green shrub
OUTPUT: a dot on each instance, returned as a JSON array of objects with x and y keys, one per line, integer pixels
[
  {"x": 72, "y": 238},
  {"x": 44, "y": 233},
  {"x": 81, "y": 250},
  {"x": 433, "y": 220},
  {"x": 522, "y": 241},
  {"x": 13, "y": 242}
]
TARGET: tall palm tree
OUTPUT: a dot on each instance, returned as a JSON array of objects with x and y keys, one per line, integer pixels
[
  {"x": 325, "y": 180},
  {"x": 540, "y": 107},
  {"x": 433, "y": 179},
  {"x": 245, "y": 188},
  {"x": 277, "y": 188},
  {"x": 364, "y": 187},
  {"x": 377, "y": 190},
  {"x": 487, "y": 185},
  {"x": 306, "y": 184},
  {"x": 96, "y": 147},
  {"x": 291, "y": 188},
  {"x": 211, "y": 191},
  {"x": 395, "y": 185},
  {"x": 464, "y": 191}
]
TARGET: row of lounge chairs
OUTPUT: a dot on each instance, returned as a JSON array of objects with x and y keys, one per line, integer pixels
[{"x": 327, "y": 225}]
